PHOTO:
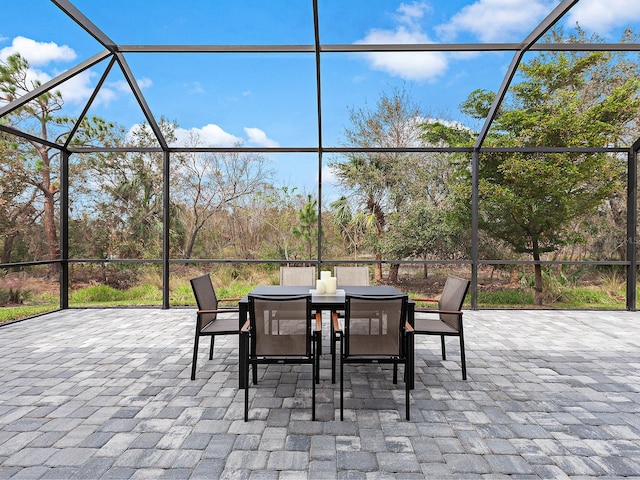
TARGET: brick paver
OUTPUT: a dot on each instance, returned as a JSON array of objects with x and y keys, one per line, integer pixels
[{"x": 106, "y": 394}]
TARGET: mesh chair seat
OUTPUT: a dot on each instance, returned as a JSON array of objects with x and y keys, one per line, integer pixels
[
  {"x": 434, "y": 325},
  {"x": 221, "y": 326}
]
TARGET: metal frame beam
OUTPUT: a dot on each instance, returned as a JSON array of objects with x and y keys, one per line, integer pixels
[{"x": 390, "y": 47}]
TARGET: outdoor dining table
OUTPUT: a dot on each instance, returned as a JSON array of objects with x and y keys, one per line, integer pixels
[{"x": 323, "y": 302}]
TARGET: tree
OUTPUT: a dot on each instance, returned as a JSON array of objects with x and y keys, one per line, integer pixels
[
  {"x": 567, "y": 99},
  {"x": 209, "y": 183},
  {"x": 307, "y": 227},
  {"x": 128, "y": 189},
  {"x": 31, "y": 163},
  {"x": 377, "y": 180}
]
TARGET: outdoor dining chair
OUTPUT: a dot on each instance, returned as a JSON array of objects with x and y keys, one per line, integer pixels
[
  {"x": 304, "y": 276},
  {"x": 352, "y": 276},
  {"x": 280, "y": 331},
  {"x": 376, "y": 331},
  {"x": 446, "y": 320},
  {"x": 209, "y": 322},
  {"x": 355, "y": 276}
]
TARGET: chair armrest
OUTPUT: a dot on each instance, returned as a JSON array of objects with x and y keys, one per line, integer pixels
[
  {"x": 420, "y": 299},
  {"x": 219, "y": 310},
  {"x": 246, "y": 327},
  {"x": 336, "y": 323},
  {"x": 318, "y": 321}
]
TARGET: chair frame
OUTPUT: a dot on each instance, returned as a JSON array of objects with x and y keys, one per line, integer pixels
[
  {"x": 311, "y": 358},
  {"x": 203, "y": 287},
  {"x": 443, "y": 330},
  {"x": 406, "y": 347}
]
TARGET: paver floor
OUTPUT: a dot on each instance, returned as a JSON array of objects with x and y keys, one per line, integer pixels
[{"x": 106, "y": 394}]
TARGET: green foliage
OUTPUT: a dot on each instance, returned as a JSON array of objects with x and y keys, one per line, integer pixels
[
  {"x": 307, "y": 227},
  {"x": 586, "y": 297},
  {"x": 505, "y": 298},
  {"x": 182, "y": 294},
  {"x": 144, "y": 292},
  {"x": 25, "y": 311},
  {"x": 531, "y": 201},
  {"x": 96, "y": 294}
]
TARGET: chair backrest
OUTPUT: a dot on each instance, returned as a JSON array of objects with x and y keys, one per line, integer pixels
[
  {"x": 354, "y": 276},
  {"x": 452, "y": 298},
  {"x": 281, "y": 325},
  {"x": 205, "y": 298},
  {"x": 373, "y": 325},
  {"x": 305, "y": 276}
]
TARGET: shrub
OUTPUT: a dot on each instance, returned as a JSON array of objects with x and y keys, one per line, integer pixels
[
  {"x": 144, "y": 292},
  {"x": 508, "y": 297},
  {"x": 96, "y": 294}
]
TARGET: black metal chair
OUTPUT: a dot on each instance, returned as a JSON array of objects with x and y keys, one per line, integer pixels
[
  {"x": 280, "y": 330},
  {"x": 448, "y": 321},
  {"x": 376, "y": 331},
  {"x": 208, "y": 321}
]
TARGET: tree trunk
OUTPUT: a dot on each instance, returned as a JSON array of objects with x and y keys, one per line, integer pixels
[
  {"x": 393, "y": 272},
  {"x": 378, "y": 268},
  {"x": 190, "y": 243},
  {"x": 425, "y": 271},
  {"x": 537, "y": 274},
  {"x": 50, "y": 232},
  {"x": 7, "y": 247}
]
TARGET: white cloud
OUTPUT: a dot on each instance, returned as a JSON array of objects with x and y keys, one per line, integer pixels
[
  {"x": 77, "y": 89},
  {"x": 410, "y": 14},
  {"x": 257, "y": 137},
  {"x": 600, "y": 16},
  {"x": 329, "y": 176},
  {"x": 38, "y": 53},
  {"x": 414, "y": 66},
  {"x": 212, "y": 135},
  {"x": 497, "y": 20}
]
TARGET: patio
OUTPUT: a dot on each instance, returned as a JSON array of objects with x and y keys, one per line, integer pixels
[{"x": 107, "y": 394}]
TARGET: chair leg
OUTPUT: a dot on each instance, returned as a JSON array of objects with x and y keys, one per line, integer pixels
[
  {"x": 314, "y": 374},
  {"x": 341, "y": 381},
  {"x": 211, "y": 347},
  {"x": 316, "y": 358},
  {"x": 195, "y": 357},
  {"x": 334, "y": 340},
  {"x": 406, "y": 391},
  {"x": 463, "y": 360},
  {"x": 244, "y": 341},
  {"x": 444, "y": 352},
  {"x": 246, "y": 393}
]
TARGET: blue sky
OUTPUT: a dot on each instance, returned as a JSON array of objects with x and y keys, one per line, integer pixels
[{"x": 261, "y": 100}]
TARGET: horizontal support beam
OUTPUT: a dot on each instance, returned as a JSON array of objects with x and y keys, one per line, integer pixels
[
  {"x": 623, "y": 149},
  {"x": 367, "y": 47}
]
